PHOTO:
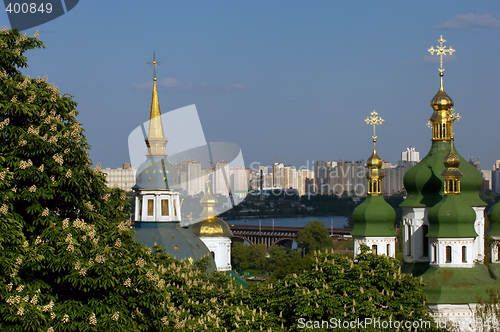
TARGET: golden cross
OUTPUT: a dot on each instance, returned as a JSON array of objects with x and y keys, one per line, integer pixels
[
  {"x": 453, "y": 116},
  {"x": 374, "y": 120},
  {"x": 154, "y": 63},
  {"x": 441, "y": 50}
]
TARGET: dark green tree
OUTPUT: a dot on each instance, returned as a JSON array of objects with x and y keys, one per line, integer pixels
[
  {"x": 240, "y": 256},
  {"x": 314, "y": 236},
  {"x": 277, "y": 254},
  {"x": 372, "y": 287}
]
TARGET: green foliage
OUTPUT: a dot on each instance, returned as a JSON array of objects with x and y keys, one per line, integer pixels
[
  {"x": 488, "y": 312},
  {"x": 240, "y": 256},
  {"x": 314, "y": 236},
  {"x": 372, "y": 286},
  {"x": 68, "y": 261},
  {"x": 489, "y": 197}
]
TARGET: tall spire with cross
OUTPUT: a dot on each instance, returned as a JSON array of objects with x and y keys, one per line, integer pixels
[
  {"x": 443, "y": 116},
  {"x": 156, "y": 140},
  {"x": 441, "y": 50},
  {"x": 374, "y": 163}
]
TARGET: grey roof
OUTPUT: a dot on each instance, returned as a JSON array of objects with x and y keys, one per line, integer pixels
[
  {"x": 156, "y": 173},
  {"x": 178, "y": 242}
]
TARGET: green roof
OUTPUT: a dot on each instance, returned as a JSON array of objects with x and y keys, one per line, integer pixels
[
  {"x": 454, "y": 285},
  {"x": 495, "y": 219},
  {"x": 451, "y": 218},
  {"x": 374, "y": 217},
  {"x": 237, "y": 278},
  {"x": 424, "y": 184}
]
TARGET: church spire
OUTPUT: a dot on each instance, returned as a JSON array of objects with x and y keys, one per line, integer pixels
[
  {"x": 443, "y": 117},
  {"x": 451, "y": 174},
  {"x": 374, "y": 163},
  {"x": 156, "y": 140}
]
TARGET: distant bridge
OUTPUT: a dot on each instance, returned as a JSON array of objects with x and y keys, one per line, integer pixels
[{"x": 272, "y": 235}]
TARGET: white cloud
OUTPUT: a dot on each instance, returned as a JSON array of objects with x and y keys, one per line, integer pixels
[
  {"x": 173, "y": 84},
  {"x": 468, "y": 21}
]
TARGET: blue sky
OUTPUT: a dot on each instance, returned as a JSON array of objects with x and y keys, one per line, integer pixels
[{"x": 292, "y": 79}]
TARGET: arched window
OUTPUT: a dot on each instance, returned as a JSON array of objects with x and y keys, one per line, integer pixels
[
  {"x": 388, "y": 250},
  {"x": 448, "y": 254},
  {"x": 434, "y": 254},
  {"x": 425, "y": 241},
  {"x": 464, "y": 254},
  {"x": 498, "y": 252},
  {"x": 374, "y": 249}
]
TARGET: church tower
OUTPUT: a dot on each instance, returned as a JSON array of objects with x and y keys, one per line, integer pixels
[
  {"x": 374, "y": 218},
  {"x": 424, "y": 183},
  {"x": 214, "y": 232},
  {"x": 443, "y": 218},
  {"x": 157, "y": 206},
  {"x": 451, "y": 221}
]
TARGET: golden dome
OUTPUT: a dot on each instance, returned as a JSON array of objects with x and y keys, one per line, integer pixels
[
  {"x": 441, "y": 100},
  {"x": 214, "y": 227},
  {"x": 451, "y": 163},
  {"x": 452, "y": 160},
  {"x": 374, "y": 160}
]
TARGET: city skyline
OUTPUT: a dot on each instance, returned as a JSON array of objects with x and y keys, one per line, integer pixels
[{"x": 291, "y": 80}]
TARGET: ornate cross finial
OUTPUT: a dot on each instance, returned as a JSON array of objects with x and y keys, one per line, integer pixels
[
  {"x": 154, "y": 63},
  {"x": 374, "y": 120},
  {"x": 454, "y": 116},
  {"x": 441, "y": 50}
]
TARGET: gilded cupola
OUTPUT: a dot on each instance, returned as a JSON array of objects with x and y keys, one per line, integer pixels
[
  {"x": 211, "y": 225},
  {"x": 374, "y": 217}
]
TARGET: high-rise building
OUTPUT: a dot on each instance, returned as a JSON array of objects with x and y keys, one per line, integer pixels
[
  {"x": 191, "y": 177},
  {"x": 123, "y": 178},
  {"x": 475, "y": 163},
  {"x": 305, "y": 179},
  {"x": 278, "y": 175},
  {"x": 322, "y": 171},
  {"x": 221, "y": 178},
  {"x": 239, "y": 181},
  {"x": 487, "y": 179},
  {"x": 347, "y": 177},
  {"x": 410, "y": 155},
  {"x": 495, "y": 180}
]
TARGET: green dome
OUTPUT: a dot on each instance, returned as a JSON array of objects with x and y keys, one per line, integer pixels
[
  {"x": 451, "y": 217},
  {"x": 374, "y": 217},
  {"x": 424, "y": 183},
  {"x": 178, "y": 242},
  {"x": 495, "y": 220},
  {"x": 156, "y": 173}
]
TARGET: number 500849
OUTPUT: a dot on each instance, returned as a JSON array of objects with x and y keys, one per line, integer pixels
[{"x": 29, "y": 8}]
